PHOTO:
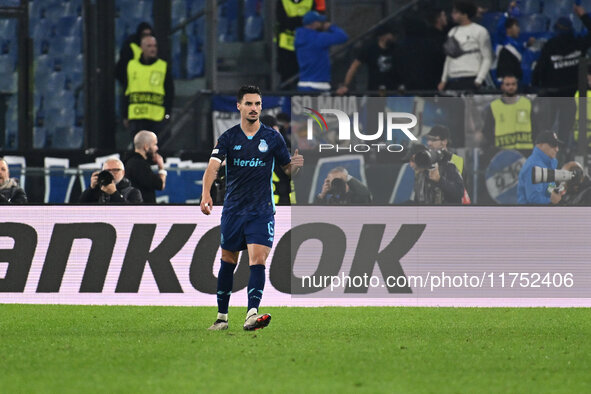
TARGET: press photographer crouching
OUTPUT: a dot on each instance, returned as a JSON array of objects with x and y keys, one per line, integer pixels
[
  {"x": 577, "y": 186},
  {"x": 544, "y": 157},
  {"x": 341, "y": 188},
  {"x": 437, "y": 180},
  {"x": 111, "y": 186}
]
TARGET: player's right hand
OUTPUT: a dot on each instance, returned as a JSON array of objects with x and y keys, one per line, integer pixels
[{"x": 206, "y": 204}]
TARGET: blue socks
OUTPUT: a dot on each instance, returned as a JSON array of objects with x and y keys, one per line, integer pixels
[
  {"x": 225, "y": 282},
  {"x": 256, "y": 284}
]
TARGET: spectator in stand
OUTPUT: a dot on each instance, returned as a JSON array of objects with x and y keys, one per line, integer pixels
[
  {"x": 381, "y": 56},
  {"x": 131, "y": 50},
  {"x": 312, "y": 45},
  {"x": 289, "y": 18},
  {"x": 556, "y": 73},
  {"x": 149, "y": 90},
  {"x": 424, "y": 56},
  {"x": 10, "y": 192},
  {"x": 139, "y": 169},
  {"x": 508, "y": 120},
  {"x": 468, "y": 51},
  {"x": 119, "y": 190},
  {"x": 556, "y": 70}
]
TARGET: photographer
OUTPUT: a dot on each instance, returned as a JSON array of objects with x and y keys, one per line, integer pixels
[
  {"x": 544, "y": 156},
  {"x": 578, "y": 189},
  {"x": 111, "y": 186},
  {"x": 10, "y": 192},
  {"x": 437, "y": 181},
  {"x": 341, "y": 188}
]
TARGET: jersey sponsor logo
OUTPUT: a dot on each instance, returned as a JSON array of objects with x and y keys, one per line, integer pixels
[
  {"x": 263, "y": 147},
  {"x": 249, "y": 163},
  {"x": 237, "y": 147}
]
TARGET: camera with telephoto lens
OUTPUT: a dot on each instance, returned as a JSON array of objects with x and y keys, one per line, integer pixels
[
  {"x": 338, "y": 191},
  {"x": 427, "y": 159},
  {"x": 546, "y": 175},
  {"x": 105, "y": 178}
]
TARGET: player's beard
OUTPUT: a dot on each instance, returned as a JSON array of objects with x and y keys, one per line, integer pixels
[{"x": 251, "y": 121}]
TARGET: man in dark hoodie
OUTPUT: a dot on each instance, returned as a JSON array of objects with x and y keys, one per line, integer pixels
[
  {"x": 559, "y": 61},
  {"x": 118, "y": 191},
  {"x": 131, "y": 50}
]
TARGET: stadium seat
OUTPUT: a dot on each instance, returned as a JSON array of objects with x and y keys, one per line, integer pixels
[
  {"x": 8, "y": 82},
  {"x": 536, "y": 23},
  {"x": 252, "y": 7},
  {"x": 253, "y": 28},
  {"x": 195, "y": 64},
  {"x": 39, "y": 138},
  {"x": 57, "y": 182},
  {"x": 68, "y": 137},
  {"x": 179, "y": 12},
  {"x": 56, "y": 82},
  {"x": 194, "y": 6},
  {"x": 528, "y": 7},
  {"x": 69, "y": 26},
  {"x": 489, "y": 21},
  {"x": 557, "y": 8},
  {"x": 18, "y": 167},
  {"x": 7, "y": 64},
  {"x": 61, "y": 99}
]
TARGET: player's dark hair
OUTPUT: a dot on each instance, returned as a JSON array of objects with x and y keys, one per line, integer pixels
[
  {"x": 509, "y": 75},
  {"x": 466, "y": 7},
  {"x": 510, "y": 22},
  {"x": 248, "y": 89}
]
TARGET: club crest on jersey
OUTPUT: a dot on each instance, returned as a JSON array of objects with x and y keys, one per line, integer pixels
[{"x": 263, "y": 147}]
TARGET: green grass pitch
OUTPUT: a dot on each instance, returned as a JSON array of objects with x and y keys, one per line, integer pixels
[{"x": 108, "y": 349}]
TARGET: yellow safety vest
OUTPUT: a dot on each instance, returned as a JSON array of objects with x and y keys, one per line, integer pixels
[
  {"x": 145, "y": 88},
  {"x": 137, "y": 51},
  {"x": 513, "y": 124},
  {"x": 292, "y": 196},
  {"x": 458, "y": 161},
  {"x": 293, "y": 10},
  {"x": 588, "y": 118}
]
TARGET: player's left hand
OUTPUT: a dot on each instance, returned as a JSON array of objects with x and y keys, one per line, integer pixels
[{"x": 297, "y": 160}]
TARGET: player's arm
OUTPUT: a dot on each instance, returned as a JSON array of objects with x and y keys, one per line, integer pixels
[
  {"x": 215, "y": 162},
  {"x": 293, "y": 167},
  {"x": 210, "y": 174}
]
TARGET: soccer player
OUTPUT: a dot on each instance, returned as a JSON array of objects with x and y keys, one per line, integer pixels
[{"x": 251, "y": 150}]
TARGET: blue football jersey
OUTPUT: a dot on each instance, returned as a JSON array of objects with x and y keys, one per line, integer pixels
[{"x": 249, "y": 169}]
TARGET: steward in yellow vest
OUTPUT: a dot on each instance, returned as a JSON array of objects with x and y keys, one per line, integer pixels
[
  {"x": 131, "y": 50},
  {"x": 508, "y": 121},
  {"x": 289, "y": 17},
  {"x": 149, "y": 90},
  {"x": 576, "y": 125}
]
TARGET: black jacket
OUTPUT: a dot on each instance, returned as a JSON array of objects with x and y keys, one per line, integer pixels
[
  {"x": 125, "y": 194},
  {"x": 138, "y": 170},
  {"x": 559, "y": 61},
  {"x": 13, "y": 195},
  {"x": 449, "y": 189}
]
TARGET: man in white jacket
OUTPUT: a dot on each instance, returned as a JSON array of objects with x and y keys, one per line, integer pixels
[{"x": 471, "y": 62}]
